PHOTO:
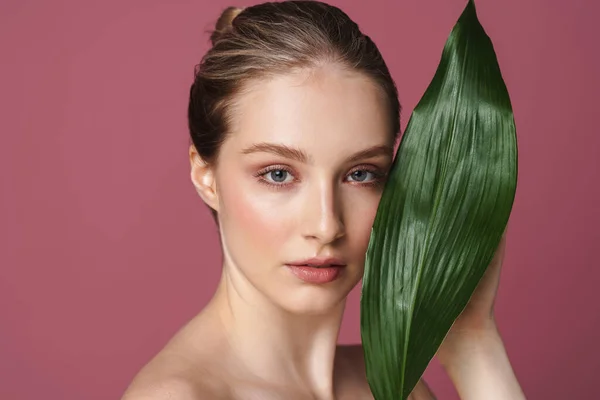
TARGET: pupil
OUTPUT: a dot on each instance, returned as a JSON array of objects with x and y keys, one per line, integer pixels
[
  {"x": 360, "y": 175},
  {"x": 278, "y": 175}
]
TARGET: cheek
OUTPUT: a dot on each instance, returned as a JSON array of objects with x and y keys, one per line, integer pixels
[
  {"x": 359, "y": 224},
  {"x": 254, "y": 226}
]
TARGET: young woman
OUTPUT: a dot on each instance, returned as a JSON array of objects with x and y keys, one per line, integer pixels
[{"x": 293, "y": 116}]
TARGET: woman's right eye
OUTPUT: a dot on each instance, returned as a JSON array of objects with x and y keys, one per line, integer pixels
[{"x": 277, "y": 176}]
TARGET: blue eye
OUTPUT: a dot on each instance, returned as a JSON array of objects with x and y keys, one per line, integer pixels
[
  {"x": 362, "y": 175},
  {"x": 279, "y": 176},
  {"x": 276, "y": 176}
]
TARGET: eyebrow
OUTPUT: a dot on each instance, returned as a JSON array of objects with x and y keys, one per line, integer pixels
[
  {"x": 372, "y": 152},
  {"x": 301, "y": 156},
  {"x": 278, "y": 149}
]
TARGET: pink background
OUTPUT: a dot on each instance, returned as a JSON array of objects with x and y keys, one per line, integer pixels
[{"x": 106, "y": 250}]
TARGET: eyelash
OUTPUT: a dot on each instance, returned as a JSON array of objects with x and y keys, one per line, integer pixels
[{"x": 377, "y": 180}]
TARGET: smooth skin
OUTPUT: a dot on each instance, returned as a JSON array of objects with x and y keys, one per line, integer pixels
[{"x": 301, "y": 175}]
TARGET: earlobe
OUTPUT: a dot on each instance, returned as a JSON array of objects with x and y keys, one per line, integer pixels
[{"x": 203, "y": 178}]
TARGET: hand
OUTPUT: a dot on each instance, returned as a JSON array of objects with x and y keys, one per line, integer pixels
[
  {"x": 477, "y": 319},
  {"x": 473, "y": 353},
  {"x": 475, "y": 324}
]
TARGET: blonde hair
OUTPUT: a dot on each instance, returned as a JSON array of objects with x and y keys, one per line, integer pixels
[{"x": 224, "y": 23}]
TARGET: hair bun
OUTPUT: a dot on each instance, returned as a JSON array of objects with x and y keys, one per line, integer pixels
[{"x": 224, "y": 23}]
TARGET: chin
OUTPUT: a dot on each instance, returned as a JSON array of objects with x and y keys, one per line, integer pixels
[
  {"x": 314, "y": 299},
  {"x": 313, "y": 304}
]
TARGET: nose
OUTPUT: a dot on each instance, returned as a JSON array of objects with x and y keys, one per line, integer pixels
[{"x": 323, "y": 220}]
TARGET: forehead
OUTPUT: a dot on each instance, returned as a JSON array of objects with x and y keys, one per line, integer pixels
[{"x": 327, "y": 110}]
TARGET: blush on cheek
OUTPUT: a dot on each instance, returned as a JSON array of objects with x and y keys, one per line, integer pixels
[{"x": 254, "y": 228}]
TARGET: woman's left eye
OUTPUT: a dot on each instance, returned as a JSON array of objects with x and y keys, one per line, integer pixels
[{"x": 362, "y": 175}]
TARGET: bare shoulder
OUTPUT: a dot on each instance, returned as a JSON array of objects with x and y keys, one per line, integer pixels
[
  {"x": 170, "y": 376},
  {"x": 353, "y": 356},
  {"x": 182, "y": 370},
  {"x": 164, "y": 388}
]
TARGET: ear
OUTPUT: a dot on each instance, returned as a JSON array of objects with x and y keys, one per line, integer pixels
[{"x": 203, "y": 178}]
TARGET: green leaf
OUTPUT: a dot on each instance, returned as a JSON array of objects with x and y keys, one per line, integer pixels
[{"x": 442, "y": 214}]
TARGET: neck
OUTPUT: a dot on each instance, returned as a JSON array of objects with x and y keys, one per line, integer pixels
[{"x": 277, "y": 346}]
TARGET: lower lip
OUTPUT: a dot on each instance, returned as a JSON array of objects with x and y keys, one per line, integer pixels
[{"x": 315, "y": 274}]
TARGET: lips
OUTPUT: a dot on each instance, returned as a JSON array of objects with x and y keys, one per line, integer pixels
[
  {"x": 319, "y": 262},
  {"x": 317, "y": 270}
]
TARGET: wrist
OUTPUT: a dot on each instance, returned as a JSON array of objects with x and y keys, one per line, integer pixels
[
  {"x": 477, "y": 363},
  {"x": 463, "y": 344}
]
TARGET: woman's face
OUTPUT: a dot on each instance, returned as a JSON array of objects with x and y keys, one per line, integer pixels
[{"x": 300, "y": 177}]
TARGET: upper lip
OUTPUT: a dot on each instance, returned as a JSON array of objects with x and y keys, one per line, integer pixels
[{"x": 320, "y": 262}]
